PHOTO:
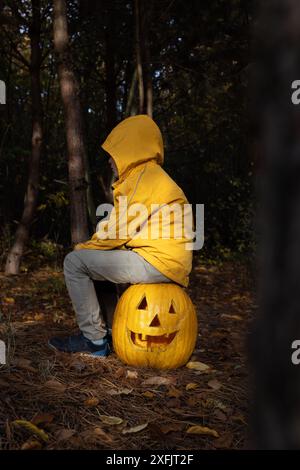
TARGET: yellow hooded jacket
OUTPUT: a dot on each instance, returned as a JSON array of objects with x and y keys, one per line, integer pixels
[{"x": 136, "y": 146}]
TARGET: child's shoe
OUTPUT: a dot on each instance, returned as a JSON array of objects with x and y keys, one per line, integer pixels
[{"x": 79, "y": 343}]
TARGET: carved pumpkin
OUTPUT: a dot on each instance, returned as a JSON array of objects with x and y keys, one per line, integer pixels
[{"x": 155, "y": 325}]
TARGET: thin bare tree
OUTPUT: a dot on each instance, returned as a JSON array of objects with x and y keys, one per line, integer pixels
[{"x": 30, "y": 203}]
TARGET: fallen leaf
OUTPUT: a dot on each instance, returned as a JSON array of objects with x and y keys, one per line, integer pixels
[
  {"x": 214, "y": 384},
  {"x": 31, "y": 428},
  {"x": 42, "y": 418},
  {"x": 174, "y": 393},
  {"x": 238, "y": 297},
  {"x": 219, "y": 334},
  {"x": 172, "y": 427},
  {"x": 231, "y": 317},
  {"x": 9, "y": 300},
  {"x": 55, "y": 385},
  {"x": 91, "y": 402},
  {"x": 130, "y": 374},
  {"x": 220, "y": 415},
  {"x": 64, "y": 434},
  {"x": 39, "y": 316},
  {"x": 196, "y": 365},
  {"x": 96, "y": 434},
  {"x": 148, "y": 394},
  {"x": 158, "y": 381},
  {"x": 191, "y": 386},
  {"x": 25, "y": 364},
  {"x": 120, "y": 372},
  {"x": 135, "y": 429},
  {"x": 31, "y": 444},
  {"x": 121, "y": 391},
  {"x": 111, "y": 420},
  {"x": 186, "y": 413},
  {"x": 239, "y": 418},
  {"x": 99, "y": 432},
  {"x": 224, "y": 442},
  {"x": 202, "y": 430}
]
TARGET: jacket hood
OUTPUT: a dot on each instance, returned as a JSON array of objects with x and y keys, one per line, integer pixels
[{"x": 133, "y": 141}]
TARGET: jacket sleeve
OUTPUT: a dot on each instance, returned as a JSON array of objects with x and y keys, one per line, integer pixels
[
  {"x": 118, "y": 221},
  {"x": 112, "y": 241}
]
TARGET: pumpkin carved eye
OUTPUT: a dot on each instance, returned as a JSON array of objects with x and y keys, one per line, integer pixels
[
  {"x": 143, "y": 304},
  {"x": 172, "y": 308}
]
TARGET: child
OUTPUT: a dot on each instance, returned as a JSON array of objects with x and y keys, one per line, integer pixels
[{"x": 135, "y": 147}]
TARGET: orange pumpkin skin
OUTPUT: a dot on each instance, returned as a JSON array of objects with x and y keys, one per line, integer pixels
[{"x": 155, "y": 325}]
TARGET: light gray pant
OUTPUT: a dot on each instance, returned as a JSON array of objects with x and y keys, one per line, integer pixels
[{"x": 82, "y": 267}]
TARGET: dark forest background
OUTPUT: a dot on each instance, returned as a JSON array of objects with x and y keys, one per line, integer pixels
[
  {"x": 216, "y": 77},
  {"x": 72, "y": 71},
  {"x": 195, "y": 59}
]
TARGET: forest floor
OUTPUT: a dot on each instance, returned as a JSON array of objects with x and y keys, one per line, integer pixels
[{"x": 54, "y": 401}]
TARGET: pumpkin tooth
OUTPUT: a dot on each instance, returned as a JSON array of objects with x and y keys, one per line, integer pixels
[{"x": 144, "y": 337}]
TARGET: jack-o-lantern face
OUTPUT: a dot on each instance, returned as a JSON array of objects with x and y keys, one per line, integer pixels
[
  {"x": 155, "y": 325},
  {"x": 152, "y": 329}
]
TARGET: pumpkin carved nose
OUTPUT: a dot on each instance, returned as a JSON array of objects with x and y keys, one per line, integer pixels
[{"x": 155, "y": 321}]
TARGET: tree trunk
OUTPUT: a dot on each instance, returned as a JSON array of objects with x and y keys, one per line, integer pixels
[
  {"x": 142, "y": 52},
  {"x": 31, "y": 196},
  {"x": 130, "y": 110},
  {"x": 74, "y": 127},
  {"x": 276, "y": 412}
]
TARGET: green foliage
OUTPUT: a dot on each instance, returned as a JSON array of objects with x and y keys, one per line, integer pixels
[{"x": 46, "y": 248}]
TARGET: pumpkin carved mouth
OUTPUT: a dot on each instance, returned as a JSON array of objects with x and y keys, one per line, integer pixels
[{"x": 149, "y": 341}]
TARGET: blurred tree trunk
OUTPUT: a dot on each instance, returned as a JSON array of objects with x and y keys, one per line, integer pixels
[
  {"x": 74, "y": 127},
  {"x": 30, "y": 203},
  {"x": 276, "y": 412},
  {"x": 142, "y": 53}
]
